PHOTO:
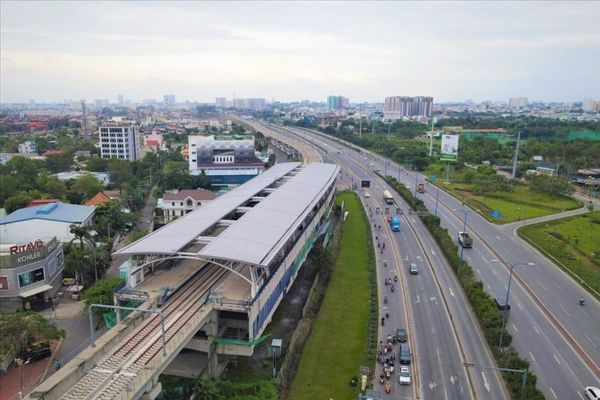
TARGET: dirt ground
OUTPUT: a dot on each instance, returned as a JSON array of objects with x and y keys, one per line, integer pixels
[{"x": 282, "y": 326}]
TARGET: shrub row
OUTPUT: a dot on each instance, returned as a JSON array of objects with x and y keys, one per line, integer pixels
[{"x": 483, "y": 305}]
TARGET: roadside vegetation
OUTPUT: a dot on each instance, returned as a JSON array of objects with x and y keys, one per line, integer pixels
[
  {"x": 483, "y": 305},
  {"x": 485, "y": 191},
  {"x": 573, "y": 242},
  {"x": 345, "y": 332}
]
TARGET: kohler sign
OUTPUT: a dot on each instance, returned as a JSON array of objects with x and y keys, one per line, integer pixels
[{"x": 32, "y": 251}]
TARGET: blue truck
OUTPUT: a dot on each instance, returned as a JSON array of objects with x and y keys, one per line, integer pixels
[{"x": 395, "y": 223}]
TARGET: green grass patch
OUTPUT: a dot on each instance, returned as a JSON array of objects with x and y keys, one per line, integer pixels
[
  {"x": 517, "y": 205},
  {"x": 338, "y": 341},
  {"x": 573, "y": 241}
]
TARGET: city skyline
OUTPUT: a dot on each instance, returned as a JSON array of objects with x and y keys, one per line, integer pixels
[{"x": 293, "y": 51}]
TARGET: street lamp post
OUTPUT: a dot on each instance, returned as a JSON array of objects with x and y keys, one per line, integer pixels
[
  {"x": 505, "y": 313},
  {"x": 521, "y": 371}
]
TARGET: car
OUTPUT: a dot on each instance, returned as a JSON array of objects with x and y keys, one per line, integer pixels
[
  {"x": 401, "y": 334},
  {"x": 367, "y": 195},
  {"x": 405, "y": 355},
  {"x": 36, "y": 354},
  {"x": 413, "y": 269},
  {"x": 404, "y": 376},
  {"x": 592, "y": 393}
]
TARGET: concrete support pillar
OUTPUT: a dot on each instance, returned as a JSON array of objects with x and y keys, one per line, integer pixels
[
  {"x": 213, "y": 361},
  {"x": 153, "y": 393}
]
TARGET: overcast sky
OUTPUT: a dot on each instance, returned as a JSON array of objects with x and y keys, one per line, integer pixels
[{"x": 294, "y": 50}]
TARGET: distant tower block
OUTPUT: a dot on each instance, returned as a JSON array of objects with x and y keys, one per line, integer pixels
[{"x": 83, "y": 119}]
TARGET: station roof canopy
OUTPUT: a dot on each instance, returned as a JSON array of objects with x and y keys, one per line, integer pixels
[{"x": 258, "y": 235}]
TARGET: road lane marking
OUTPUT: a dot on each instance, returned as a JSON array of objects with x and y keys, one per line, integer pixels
[
  {"x": 564, "y": 309},
  {"x": 498, "y": 237},
  {"x": 451, "y": 292},
  {"x": 532, "y": 357},
  {"x": 590, "y": 339},
  {"x": 488, "y": 285},
  {"x": 558, "y": 286},
  {"x": 478, "y": 271},
  {"x": 485, "y": 382},
  {"x": 556, "y": 358},
  {"x": 536, "y": 329},
  {"x": 515, "y": 328},
  {"x": 580, "y": 395},
  {"x": 494, "y": 272},
  {"x": 553, "y": 394},
  {"x": 520, "y": 306},
  {"x": 483, "y": 258},
  {"x": 432, "y": 252},
  {"x": 418, "y": 300},
  {"x": 543, "y": 287}
]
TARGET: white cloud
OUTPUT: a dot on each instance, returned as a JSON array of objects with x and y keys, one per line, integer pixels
[{"x": 451, "y": 50}]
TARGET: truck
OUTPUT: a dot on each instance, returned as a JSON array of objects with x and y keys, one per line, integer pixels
[
  {"x": 465, "y": 240},
  {"x": 395, "y": 223},
  {"x": 421, "y": 188},
  {"x": 387, "y": 197}
]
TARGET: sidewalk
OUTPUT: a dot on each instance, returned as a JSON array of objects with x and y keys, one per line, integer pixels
[{"x": 32, "y": 375}]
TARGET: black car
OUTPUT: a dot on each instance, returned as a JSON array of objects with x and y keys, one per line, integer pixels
[
  {"x": 405, "y": 355},
  {"x": 36, "y": 354},
  {"x": 402, "y": 335}
]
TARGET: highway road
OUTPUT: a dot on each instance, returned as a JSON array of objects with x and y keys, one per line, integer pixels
[
  {"x": 560, "y": 338},
  {"x": 443, "y": 332}
]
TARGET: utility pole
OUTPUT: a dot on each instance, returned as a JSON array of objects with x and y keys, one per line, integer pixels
[
  {"x": 514, "y": 171},
  {"x": 431, "y": 138}
]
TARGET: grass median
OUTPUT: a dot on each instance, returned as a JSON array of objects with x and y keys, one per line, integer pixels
[
  {"x": 521, "y": 203},
  {"x": 338, "y": 341},
  {"x": 573, "y": 241}
]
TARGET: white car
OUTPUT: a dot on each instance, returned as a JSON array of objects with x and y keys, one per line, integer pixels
[
  {"x": 592, "y": 393},
  {"x": 404, "y": 376},
  {"x": 367, "y": 195}
]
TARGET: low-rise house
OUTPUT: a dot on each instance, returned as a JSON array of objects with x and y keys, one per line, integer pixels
[{"x": 180, "y": 202}]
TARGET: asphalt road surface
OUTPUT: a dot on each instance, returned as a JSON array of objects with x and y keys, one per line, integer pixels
[{"x": 560, "y": 338}]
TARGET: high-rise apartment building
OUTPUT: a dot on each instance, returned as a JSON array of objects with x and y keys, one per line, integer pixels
[
  {"x": 397, "y": 107},
  {"x": 588, "y": 104},
  {"x": 517, "y": 102},
  {"x": 119, "y": 141},
  {"x": 169, "y": 99},
  {"x": 221, "y": 102},
  {"x": 337, "y": 103},
  {"x": 255, "y": 104},
  {"x": 120, "y": 100}
]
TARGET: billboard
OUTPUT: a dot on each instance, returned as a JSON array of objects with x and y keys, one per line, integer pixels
[{"x": 449, "y": 147}]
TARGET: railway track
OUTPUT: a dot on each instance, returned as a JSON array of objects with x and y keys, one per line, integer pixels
[{"x": 111, "y": 377}]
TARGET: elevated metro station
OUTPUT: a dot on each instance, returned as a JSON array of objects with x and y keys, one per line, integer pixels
[{"x": 215, "y": 275}]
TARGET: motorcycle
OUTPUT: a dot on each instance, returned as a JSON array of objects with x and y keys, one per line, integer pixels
[
  {"x": 392, "y": 287},
  {"x": 385, "y": 300},
  {"x": 382, "y": 321},
  {"x": 395, "y": 278},
  {"x": 581, "y": 302}
]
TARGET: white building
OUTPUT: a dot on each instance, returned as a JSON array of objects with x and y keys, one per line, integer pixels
[
  {"x": 54, "y": 219},
  {"x": 517, "y": 102},
  {"x": 28, "y": 147},
  {"x": 177, "y": 203},
  {"x": 221, "y": 102},
  {"x": 119, "y": 141}
]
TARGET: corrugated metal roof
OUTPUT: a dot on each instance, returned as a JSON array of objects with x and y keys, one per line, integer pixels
[
  {"x": 176, "y": 235},
  {"x": 257, "y": 237},
  {"x": 61, "y": 212}
]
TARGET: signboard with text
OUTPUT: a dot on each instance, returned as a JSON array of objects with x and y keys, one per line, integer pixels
[{"x": 449, "y": 150}]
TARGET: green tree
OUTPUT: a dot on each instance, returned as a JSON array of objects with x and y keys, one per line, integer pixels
[
  {"x": 101, "y": 293},
  {"x": 17, "y": 201},
  {"x": 97, "y": 164},
  {"x": 552, "y": 185},
  {"x": 109, "y": 219},
  {"x": 203, "y": 181},
  {"x": 119, "y": 172},
  {"x": 23, "y": 329},
  {"x": 207, "y": 389},
  {"x": 175, "y": 175},
  {"x": 87, "y": 185},
  {"x": 81, "y": 233}
]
